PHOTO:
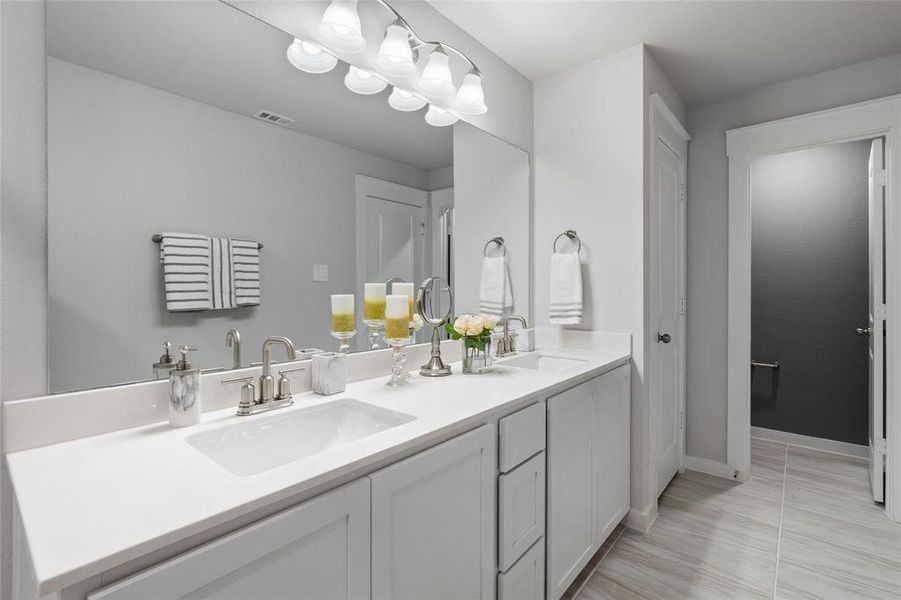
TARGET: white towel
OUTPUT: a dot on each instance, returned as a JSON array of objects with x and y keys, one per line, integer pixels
[
  {"x": 566, "y": 289},
  {"x": 186, "y": 271},
  {"x": 245, "y": 272},
  {"x": 495, "y": 292}
]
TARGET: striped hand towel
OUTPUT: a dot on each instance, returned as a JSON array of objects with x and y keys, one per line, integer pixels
[
  {"x": 246, "y": 272},
  {"x": 186, "y": 271},
  {"x": 566, "y": 289},
  {"x": 495, "y": 292},
  {"x": 222, "y": 288}
]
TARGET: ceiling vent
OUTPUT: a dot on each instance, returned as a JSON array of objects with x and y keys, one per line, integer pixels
[{"x": 271, "y": 117}]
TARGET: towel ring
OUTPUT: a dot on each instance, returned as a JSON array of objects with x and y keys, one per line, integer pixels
[
  {"x": 499, "y": 241},
  {"x": 572, "y": 235}
]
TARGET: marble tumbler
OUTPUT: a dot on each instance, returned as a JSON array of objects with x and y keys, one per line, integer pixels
[{"x": 329, "y": 373}]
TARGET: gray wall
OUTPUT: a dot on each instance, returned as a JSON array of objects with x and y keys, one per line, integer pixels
[
  {"x": 126, "y": 161},
  {"x": 809, "y": 291},
  {"x": 708, "y": 223}
]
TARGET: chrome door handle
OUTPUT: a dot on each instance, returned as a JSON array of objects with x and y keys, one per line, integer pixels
[
  {"x": 664, "y": 337},
  {"x": 863, "y": 331}
]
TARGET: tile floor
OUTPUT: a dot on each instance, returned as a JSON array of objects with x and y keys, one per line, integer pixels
[{"x": 803, "y": 526}]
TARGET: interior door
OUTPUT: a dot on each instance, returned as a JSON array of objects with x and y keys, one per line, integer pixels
[
  {"x": 395, "y": 244},
  {"x": 876, "y": 327},
  {"x": 669, "y": 189}
]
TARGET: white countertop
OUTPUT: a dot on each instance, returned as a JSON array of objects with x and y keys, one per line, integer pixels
[{"x": 92, "y": 504}]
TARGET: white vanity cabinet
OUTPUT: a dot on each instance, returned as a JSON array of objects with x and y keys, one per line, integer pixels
[
  {"x": 587, "y": 472},
  {"x": 317, "y": 550},
  {"x": 433, "y": 522}
]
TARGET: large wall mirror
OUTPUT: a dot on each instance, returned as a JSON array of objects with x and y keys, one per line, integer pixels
[{"x": 186, "y": 118}]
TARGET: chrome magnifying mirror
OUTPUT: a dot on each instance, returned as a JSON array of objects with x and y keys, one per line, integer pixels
[{"x": 435, "y": 303}]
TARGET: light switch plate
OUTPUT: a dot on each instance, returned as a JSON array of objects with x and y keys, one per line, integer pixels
[{"x": 320, "y": 272}]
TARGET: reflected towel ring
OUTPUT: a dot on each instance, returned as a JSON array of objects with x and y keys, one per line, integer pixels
[
  {"x": 499, "y": 241},
  {"x": 572, "y": 235}
]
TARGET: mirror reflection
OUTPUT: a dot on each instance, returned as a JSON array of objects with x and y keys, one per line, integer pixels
[{"x": 248, "y": 199}]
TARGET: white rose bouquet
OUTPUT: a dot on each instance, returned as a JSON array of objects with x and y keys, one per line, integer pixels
[{"x": 475, "y": 330}]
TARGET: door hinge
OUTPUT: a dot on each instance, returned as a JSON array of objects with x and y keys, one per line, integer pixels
[
  {"x": 422, "y": 229},
  {"x": 681, "y": 306},
  {"x": 880, "y": 177},
  {"x": 879, "y": 446},
  {"x": 681, "y": 420},
  {"x": 682, "y": 192}
]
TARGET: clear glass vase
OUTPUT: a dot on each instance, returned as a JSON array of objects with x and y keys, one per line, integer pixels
[{"x": 477, "y": 355}]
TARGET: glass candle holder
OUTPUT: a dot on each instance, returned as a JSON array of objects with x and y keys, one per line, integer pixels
[
  {"x": 343, "y": 320},
  {"x": 397, "y": 334},
  {"x": 374, "y": 311}
]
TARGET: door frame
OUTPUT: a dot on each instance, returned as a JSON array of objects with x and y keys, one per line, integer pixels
[
  {"x": 663, "y": 124},
  {"x": 865, "y": 120}
]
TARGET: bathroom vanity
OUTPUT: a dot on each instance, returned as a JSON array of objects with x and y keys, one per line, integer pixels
[{"x": 464, "y": 487}]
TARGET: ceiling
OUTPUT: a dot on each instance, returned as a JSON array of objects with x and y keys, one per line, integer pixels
[
  {"x": 709, "y": 50},
  {"x": 218, "y": 55}
]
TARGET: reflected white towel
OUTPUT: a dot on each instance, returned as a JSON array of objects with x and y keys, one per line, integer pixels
[
  {"x": 186, "y": 271},
  {"x": 495, "y": 292},
  {"x": 566, "y": 289}
]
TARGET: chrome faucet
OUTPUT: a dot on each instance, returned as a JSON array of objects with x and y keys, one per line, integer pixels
[
  {"x": 508, "y": 341},
  {"x": 267, "y": 383},
  {"x": 233, "y": 338}
]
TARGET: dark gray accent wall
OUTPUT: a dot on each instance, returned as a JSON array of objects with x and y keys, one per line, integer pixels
[{"x": 809, "y": 290}]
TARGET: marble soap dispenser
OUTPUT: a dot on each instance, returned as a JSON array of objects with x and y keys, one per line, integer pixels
[{"x": 184, "y": 392}]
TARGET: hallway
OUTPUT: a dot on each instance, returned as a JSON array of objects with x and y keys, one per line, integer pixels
[{"x": 803, "y": 526}]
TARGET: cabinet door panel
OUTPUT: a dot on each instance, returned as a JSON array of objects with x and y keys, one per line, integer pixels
[
  {"x": 433, "y": 517},
  {"x": 525, "y": 579},
  {"x": 612, "y": 454},
  {"x": 571, "y": 524},
  {"x": 317, "y": 550},
  {"x": 521, "y": 508}
]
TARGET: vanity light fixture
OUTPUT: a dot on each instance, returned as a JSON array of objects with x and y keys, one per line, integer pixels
[
  {"x": 439, "y": 117},
  {"x": 340, "y": 31},
  {"x": 310, "y": 57},
  {"x": 405, "y": 101},
  {"x": 361, "y": 81},
  {"x": 340, "y": 27}
]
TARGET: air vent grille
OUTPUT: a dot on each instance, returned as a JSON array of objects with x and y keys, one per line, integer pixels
[{"x": 271, "y": 117}]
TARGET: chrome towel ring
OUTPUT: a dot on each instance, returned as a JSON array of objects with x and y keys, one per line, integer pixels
[
  {"x": 572, "y": 235},
  {"x": 498, "y": 241}
]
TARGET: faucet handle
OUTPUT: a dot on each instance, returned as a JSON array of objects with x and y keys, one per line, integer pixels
[
  {"x": 248, "y": 394},
  {"x": 284, "y": 384}
]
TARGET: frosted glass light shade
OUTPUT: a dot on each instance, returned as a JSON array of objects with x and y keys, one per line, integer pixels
[
  {"x": 405, "y": 101},
  {"x": 310, "y": 57},
  {"x": 440, "y": 117},
  {"x": 470, "y": 97},
  {"x": 436, "y": 77},
  {"x": 395, "y": 57},
  {"x": 363, "y": 82},
  {"x": 340, "y": 27}
]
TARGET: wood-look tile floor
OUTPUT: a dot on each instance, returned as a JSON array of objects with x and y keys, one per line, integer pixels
[{"x": 803, "y": 526}]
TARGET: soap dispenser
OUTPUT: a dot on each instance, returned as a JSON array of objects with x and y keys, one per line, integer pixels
[
  {"x": 166, "y": 363},
  {"x": 184, "y": 392}
]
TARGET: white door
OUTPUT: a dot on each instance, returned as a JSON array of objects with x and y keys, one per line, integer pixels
[
  {"x": 668, "y": 206},
  {"x": 433, "y": 522},
  {"x": 877, "y": 319},
  {"x": 318, "y": 550}
]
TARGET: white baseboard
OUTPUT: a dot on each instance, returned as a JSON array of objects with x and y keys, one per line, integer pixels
[
  {"x": 641, "y": 519},
  {"x": 709, "y": 466},
  {"x": 796, "y": 439}
]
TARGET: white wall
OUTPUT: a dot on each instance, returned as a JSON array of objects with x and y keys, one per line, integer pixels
[
  {"x": 126, "y": 161},
  {"x": 708, "y": 223},
  {"x": 491, "y": 198},
  {"x": 439, "y": 179}
]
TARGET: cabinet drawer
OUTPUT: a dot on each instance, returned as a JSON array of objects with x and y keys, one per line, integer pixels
[
  {"x": 521, "y": 435},
  {"x": 525, "y": 579},
  {"x": 521, "y": 507}
]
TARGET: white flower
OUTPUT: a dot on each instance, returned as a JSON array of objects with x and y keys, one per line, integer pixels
[
  {"x": 417, "y": 322},
  {"x": 475, "y": 326},
  {"x": 461, "y": 324},
  {"x": 490, "y": 321}
]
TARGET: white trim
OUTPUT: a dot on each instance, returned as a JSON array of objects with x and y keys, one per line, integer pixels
[
  {"x": 659, "y": 105},
  {"x": 710, "y": 467},
  {"x": 808, "y": 441},
  {"x": 865, "y": 120},
  {"x": 641, "y": 520}
]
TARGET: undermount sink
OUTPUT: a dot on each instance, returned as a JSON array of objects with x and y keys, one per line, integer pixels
[
  {"x": 263, "y": 443},
  {"x": 540, "y": 361}
]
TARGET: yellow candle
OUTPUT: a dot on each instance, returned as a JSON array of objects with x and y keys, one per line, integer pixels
[
  {"x": 405, "y": 289},
  {"x": 397, "y": 318},
  {"x": 374, "y": 301},
  {"x": 343, "y": 320}
]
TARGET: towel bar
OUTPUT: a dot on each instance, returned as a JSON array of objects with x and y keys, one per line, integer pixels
[{"x": 157, "y": 238}]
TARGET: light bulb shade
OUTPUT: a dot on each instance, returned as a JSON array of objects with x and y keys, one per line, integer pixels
[
  {"x": 310, "y": 58},
  {"x": 440, "y": 117},
  {"x": 340, "y": 27},
  {"x": 436, "y": 78},
  {"x": 405, "y": 101},
  {"x": 395, "y": 57},
  {"x": 363, "y": 82},
  {"x": 470, "y": 97}
]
